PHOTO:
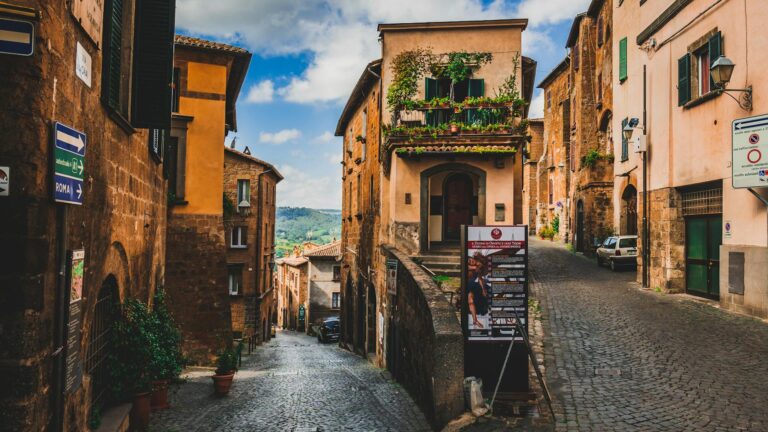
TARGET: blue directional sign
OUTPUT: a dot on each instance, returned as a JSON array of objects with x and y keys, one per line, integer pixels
[
  {"x": 69, "y": 164},
  {"x": 17, "y": 37}
]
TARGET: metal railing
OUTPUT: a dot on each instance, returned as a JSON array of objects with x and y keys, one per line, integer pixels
[{"x": 436, "y": 117}]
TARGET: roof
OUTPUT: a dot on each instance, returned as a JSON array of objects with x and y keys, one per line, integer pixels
[
  {"x": 536, "y": 120},
  {"x": 250, "y": 158},
  {"x": 529, "y": 74},
  {"x": 574, "y": 33},
  {"x": 447, "y": 25},
  {"x": 240, "y": 63},
  {"x": 594, "y": 8},
  {"x": 295, "y": 261},
  {"x": 560, "y": 68},
  {"x": 327, "y": 250},
  {"x": 371, "y": 75}
]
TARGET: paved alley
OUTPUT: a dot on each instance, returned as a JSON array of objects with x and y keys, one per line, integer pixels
[
  {"x": 293, "y": 383},
  {"x": 619, "y": 358}
]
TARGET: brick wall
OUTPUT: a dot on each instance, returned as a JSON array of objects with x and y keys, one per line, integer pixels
[{"x": 121, "y": 224}]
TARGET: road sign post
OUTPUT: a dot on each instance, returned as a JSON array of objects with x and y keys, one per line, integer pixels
[{"x": 69, "y": 164}]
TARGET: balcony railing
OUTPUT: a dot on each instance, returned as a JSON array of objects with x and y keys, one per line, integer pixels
[{"x": 426, "y": 119}]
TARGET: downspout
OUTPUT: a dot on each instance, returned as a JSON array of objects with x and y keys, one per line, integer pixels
[{"x": 259, "y": 246}]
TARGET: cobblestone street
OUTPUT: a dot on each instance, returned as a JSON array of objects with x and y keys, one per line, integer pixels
[
  {"x": 620, "y": 358},
  {"x": 293, "y": 383}
]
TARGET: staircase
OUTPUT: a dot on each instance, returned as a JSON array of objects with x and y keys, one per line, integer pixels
[{"x": 442, "y": 259}]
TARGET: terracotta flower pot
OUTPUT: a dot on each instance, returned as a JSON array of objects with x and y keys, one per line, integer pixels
[
  {"x": 222, "y": 383},
  {"x": 454, "y": 128},
  {"x": 140, "y": 411},
  {"x": 160, "y": 395}
]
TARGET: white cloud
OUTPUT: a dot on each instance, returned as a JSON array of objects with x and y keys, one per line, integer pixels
[
  {"x": 541, "y": 13},
  {"x": 536, "y": 110},
  {"x": 302, "y": 189},
  {"x": 326, "y": 137},
  {"x": 279, "y": 137},
  {"x": 261, "y": 92},
  {"x": 334, "y": 158}
]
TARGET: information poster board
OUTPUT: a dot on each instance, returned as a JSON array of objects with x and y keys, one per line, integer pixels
[{"x": 75, "y": 274}]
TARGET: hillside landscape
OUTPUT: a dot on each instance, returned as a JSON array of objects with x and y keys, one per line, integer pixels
[{"x": 296, "y": 225}]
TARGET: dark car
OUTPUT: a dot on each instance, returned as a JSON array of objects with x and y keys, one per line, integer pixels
[{"x": 329, "y": 330}]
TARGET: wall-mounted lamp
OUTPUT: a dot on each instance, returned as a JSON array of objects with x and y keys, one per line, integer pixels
[
  {"x": 721, "y": 71},
  {"x": 628, "y": 131}
]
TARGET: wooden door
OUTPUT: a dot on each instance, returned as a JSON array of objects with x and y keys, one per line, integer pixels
[{"x": 457, "y": 208}]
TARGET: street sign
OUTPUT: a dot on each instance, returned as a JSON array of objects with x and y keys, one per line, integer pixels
[
  {"x": 392, "y": 276},
  {"x": 17, "y": 37},
  {"x": 750, "y": 152},
  {"x": 83, "y": 64},
  {"x": 69, "y": 165},
  {"x": 5, "y": 180}
]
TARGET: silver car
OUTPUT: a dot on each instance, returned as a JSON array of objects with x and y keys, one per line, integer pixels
[{"x": 618, "y": 251}]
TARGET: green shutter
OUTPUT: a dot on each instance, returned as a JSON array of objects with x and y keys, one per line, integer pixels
[
  {"x": 430, "y": 92},
  {"x": 624, "y": 141},
  {"x": 623, "y": 59},
  {"x": 684, "y": 80},
  {"x": 152, "y": 79},
  {"x": 476, "y": 88},
  {"x": 715, "y": 50},
  {"x": 112, "y": 56}
]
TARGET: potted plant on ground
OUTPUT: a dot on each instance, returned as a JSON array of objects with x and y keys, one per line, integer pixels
[
  {"x": 167, "y": 361},
  {"x": 134, "y": 345},
  {"x": 226, "y": 366}
]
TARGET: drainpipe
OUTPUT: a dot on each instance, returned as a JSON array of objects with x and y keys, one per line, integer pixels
[
  {"x": 646, "y": 230},
  {"x": 259, "y": 246}
]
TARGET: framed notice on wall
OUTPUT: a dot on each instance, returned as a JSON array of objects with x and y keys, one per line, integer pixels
[{"x": 75, "y": 274}]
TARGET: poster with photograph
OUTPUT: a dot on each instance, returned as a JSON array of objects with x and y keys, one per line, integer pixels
[{"x": 495, "y": 282}]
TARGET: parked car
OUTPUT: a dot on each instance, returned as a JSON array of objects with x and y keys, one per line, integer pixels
[
  {"x": 618, "y": 251},
  {"x": 329, "y": 330}
]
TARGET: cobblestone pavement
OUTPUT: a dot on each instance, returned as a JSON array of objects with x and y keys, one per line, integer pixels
[
  {"x": 293, "y": 383},
  {"x": 625, "y": 359}
]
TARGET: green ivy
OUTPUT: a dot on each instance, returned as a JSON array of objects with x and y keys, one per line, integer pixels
[
  {"x": 167, "y": 361},
  {"x": 229, "y": 206},
  {"x": 408, "y": 68},
  {"x": 134, "y": 345},
  {"x": 593, "y": 156}
]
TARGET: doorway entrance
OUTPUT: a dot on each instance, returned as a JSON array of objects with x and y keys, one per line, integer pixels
[
  {"x": 100, "y": 343},
  {"x": 703, "y": 236},
  {"x": 629, "y": 211},
  {"x": 580, "y": 226},
  {"x": 371, "y": 337},
  {"x": 457, "y": 210}
]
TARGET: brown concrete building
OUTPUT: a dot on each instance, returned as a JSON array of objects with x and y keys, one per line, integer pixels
[
  {"x": 207, "y": 78},
  {"x": 555, "y": 165},
  {"x": 120, "y": 225},
  {"x": 292, "y": 293},
  {"x": 706, "y": 231},
  {"x": 249, "y": 223},
  {"x": 414, "y": 173},
  {"x": 531, "y": 174},
  {"x": 324, "y": 281}
]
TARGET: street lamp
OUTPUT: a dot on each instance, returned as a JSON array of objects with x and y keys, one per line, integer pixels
[
  {"x": 721, "y": 71},
  {"x": 629, "y": 129}
]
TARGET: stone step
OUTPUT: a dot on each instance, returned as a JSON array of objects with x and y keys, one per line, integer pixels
[
  {"x": 441, "y": 265},
  {"x": 440, "y": 258}
]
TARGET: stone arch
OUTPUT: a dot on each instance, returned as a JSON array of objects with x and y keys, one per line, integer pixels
[
  {"x": 628, "y": 217},
  {"x": 605, "y": 131},
  {"x": 424, "y": 192},
  {"x": 116, "y": 265},
  {"x": 97, "y": 337}
]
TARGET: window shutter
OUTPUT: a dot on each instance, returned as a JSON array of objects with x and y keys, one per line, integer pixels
[
  {"x": 476, "y": 89},
  {"x": 575, "y": 50},
  {"x": 600, "y": 31},
  {"x": 113, "y": 39},
  {"x": 715, "y": 50},
  {"x": 684, "y": 80},
  {"x": 153, "y": 64},
  {"x": 430, "y": 92},
  {"x": 623, "y": 59},
  {"x": 624, "y": 141}
]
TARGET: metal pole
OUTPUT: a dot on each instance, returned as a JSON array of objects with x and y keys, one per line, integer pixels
[
  {"x": 646, "y": 231},
  {"x": 60, "y": 335}
]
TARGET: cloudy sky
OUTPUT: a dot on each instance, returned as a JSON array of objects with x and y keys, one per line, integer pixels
[{"x": 308, "y": 54}]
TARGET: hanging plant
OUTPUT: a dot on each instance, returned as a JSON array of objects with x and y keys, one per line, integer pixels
[
  {"x": 408, "y": 68},
  {"x": 459, "y": 66}
]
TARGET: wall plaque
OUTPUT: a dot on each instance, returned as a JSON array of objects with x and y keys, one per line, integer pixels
[{"x": 90, "y": 14}]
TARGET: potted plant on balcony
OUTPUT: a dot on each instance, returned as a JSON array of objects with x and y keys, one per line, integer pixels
[
  {"x": 134, "y": 346},
  {"x": 167, "y": 361},
  {"x": 226, "y": 366}
]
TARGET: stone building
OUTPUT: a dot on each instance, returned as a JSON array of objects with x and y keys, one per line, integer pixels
[
  {"x": 707, "y": 232},
  {"x": 120, "y": 225},
  {"x": 591, "y": 142},
  {"x": 554, "y": 163},
  {"x": 249, "y": 223},
  {"x": 207, "y": 79},
  {"x": 323, "y": 277},
  {"x": 292, "y": 292},
  {"x": 530, "y": 174},
  {"x": 410, "y": 183}
]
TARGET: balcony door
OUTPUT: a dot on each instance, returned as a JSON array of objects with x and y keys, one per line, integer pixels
[{"x": 457, "y": 210}]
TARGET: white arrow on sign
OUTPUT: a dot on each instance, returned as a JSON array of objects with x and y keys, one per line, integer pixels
[
  {"x": 80, "y": 166},
  {"x": 69, "y": 139},
  {"x": 79, "y": 191}
]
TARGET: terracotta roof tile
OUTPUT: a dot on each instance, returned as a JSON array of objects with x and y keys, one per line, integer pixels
[
  {"x": 326, "y": 250},
  {"x": 206, "y": 44}
]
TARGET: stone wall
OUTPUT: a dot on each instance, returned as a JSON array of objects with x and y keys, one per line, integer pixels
[
  {"x": 427, "y": 343},
  {"x": 197, "y": 284},
  {"x": 121, "y": 224},
  {"x": 667, "y": 241}
]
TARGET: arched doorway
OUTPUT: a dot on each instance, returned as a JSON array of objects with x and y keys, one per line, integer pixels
[
  {"x": 457, "y": 207},
  {"x": 371, "y": 339},
  {"x": 360, "y": 324},
  {"x": 580, "y": 226},
  {"x": 605, "y": 134},
  {"x": 100, "y": 342},
  {"x": 348, "y": 307},
  {"x": 629, "y": 210}
]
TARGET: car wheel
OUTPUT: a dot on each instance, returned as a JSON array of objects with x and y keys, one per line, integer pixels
[{"x": 613, "y": 265}]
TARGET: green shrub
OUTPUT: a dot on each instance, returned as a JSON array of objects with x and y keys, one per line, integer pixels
[
  {"x": 134, "y": 345},
  {"x": 227, "y": 362},
  {"x": 167, "y": 360},
  {"x": 556, "y": 223}
]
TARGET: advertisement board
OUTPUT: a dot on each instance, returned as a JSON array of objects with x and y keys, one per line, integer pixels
[{"x": 750, "y": 152}]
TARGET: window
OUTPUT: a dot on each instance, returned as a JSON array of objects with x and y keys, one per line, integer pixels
[
  {"x": 623, "y": 60},
  {"x": 350, "y": 141},
  {"x": 363, "y": 144},
  {"x": 176, "y": 89},
  {"x": 600, "y": 34},
  {"x": 549, "y": 99},
  {"x": 235, "y": 279},
  {"x": 157, "y": 139},
  {"x": 628, "y": 243},
  {"x": 359, "y": 205},
  {"x": 174, "y": 166},
  {"x": 624, "y": 142},
  {"x": 239, "y": 237},
  {"x": 371, "y": 201},
  {"x": 575, "y": 51},
  {"x": 243, "y": 193},
  {"x": 599, "y": 87},
  {"x": 335, "y": 300},
  {"x": 364, "y": 123},
  {"x": 551, "y": 190},
  {"x": 694, "y": 78},
  {"x": 116, "y": 59},
  {"x": 336, "y": 273}
]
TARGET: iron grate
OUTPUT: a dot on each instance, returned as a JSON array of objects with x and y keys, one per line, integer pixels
[{"x": 703, "y": 202}]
